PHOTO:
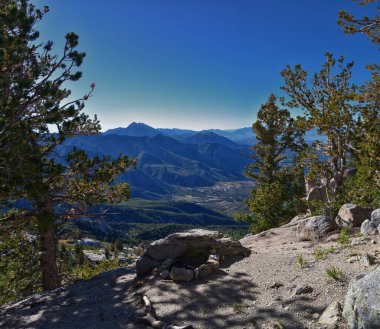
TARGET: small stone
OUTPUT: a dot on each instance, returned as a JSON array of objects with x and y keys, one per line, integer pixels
[
  {"x": 373, "y": 241},
  {"x": 332, "y": 316},
  {"x": 276, "y": 285},
  {"x": 353, "y": 259},
  {"x": 333, "y": 237},
  {"x": 368, "y": 260},
  {"x": 165, "y": 274},
  {"x": 360, "y": 276},
  {"x": 303, "y": 289},
  {"x": 358, "y": 241}
]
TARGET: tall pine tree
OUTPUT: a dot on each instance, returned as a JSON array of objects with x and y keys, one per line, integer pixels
[
  {"x": 32, "y": 99},
  {"x": 278, "y": 178}
]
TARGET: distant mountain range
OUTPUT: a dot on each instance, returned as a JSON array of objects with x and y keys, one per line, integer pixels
[
  {"x": 240, "y": 136},
  {"x": 168, "y": 159}
]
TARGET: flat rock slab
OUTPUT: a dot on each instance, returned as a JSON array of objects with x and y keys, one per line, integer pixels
[
  {"x": 189, "y": 248},
  {"x": 193, "y": 243}
]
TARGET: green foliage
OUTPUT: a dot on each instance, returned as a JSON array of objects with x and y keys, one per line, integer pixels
[
  {"x": 369, "y": 26},
  {"x": 328, "y": 104},
  {"x": 320, "y": 253},
  {"x": 19, "y": 268},
  {"x": 301, "y": 261},
  {"x": 344, "y": 237},
  {"x": 73, "y": 265},
  {"x": 334, "y": 273},
  {"x": 279, "y": 186},
  {"x": 33, "y": 97},
  {"x": 88, "y": 270}
]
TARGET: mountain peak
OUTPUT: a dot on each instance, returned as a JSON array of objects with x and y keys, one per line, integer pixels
[{"x": 135, "y": 129}]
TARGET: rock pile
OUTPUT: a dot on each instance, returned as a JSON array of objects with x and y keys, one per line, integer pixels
[{"x": 190, "y": 255}]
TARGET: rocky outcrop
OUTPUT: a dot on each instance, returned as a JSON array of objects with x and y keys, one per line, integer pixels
[
  {"x": 362, "y": 303},
  {"x": 317, "y": 194},
  {"x": 368, "y": 228},
  {"x": 314, "y": 228},
  {"x": 352, "y": 215},
  {"x": 193, "y": 248}
]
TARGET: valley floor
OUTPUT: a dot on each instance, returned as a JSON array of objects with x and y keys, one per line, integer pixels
[{"x": 238, "y": 296}]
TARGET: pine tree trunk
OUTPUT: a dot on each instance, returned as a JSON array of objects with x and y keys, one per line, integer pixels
[{"x": 47, "y": 248}]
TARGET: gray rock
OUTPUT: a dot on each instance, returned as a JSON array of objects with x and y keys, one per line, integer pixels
[
  {"x": 87, "y": 242},
  {"x": 353, "y": 259},
  {"x": 368, "y": 228},
  {"x": 333, "y": 237},
  {"x": 181, "y": 274},
  {"x": 358, "y": 241},
  {"x": 207, "y": 269},
  {"x": 165, "y": 274},
  {"x": 314, "y": 228},
  {"x": 375, "y": 217},
  {"x": 93, "y": 256},
  {"x": 362, "y": 303},
  {"x": 303, "y": 289},
  {"x": 145, "y": 264},
  {"x": 317, "y": 194},
  {"x": 332, "y": 316},
  {"x": 352, "y": 215},
  {"x": 298, "y": 218},
  {"x": 276, "y": 285},
  {"x": 196, "y": 243},
  {"x": 368, "y": 260}
]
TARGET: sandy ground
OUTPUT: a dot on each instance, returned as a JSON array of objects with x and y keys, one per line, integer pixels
[{"x": 238, "y": 296}]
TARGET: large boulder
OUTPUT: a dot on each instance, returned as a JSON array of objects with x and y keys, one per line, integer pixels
[
  {"x": 375, "y": 217},
  {"x": 191, "y": 248},
  {"x": 368, "y": 228},
  {"x": 362, "y": 304},
  {"x": 314, "y": 228},
  {"x": 352, "y": 215},
  {"x": 197, "y": 243}
]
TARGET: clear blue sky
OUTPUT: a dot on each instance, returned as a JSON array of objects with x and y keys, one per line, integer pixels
[{"x": 197, "y": 63}]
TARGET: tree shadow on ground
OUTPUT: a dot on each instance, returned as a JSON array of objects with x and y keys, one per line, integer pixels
[
  {"x": 113, "y": 300},
  {"x": 102, "y": 302},
  {"x": 211, "y": 303}
]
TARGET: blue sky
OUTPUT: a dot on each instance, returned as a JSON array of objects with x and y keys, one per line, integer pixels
[{"x": 198, "y": 63}]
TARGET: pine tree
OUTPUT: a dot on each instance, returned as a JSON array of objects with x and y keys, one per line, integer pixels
[
  {"x": 279, "y": 182},
  {"x": 370, "y": 26},
  {"x": 32, "y": 98},
  {"x": 329, "y": 106}
]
